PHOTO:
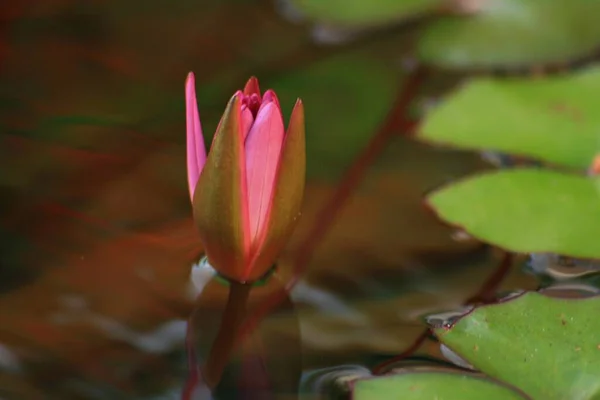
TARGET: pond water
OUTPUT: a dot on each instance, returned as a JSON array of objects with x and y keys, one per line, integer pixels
[{"x": 100, "y": 281}]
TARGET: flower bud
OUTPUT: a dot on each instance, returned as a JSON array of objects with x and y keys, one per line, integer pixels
[{"x": 247, "y": 193}]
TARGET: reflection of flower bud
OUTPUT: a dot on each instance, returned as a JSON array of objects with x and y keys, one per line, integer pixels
[
  {"x": 247, "y": 192},
  {"x": 266, "y": 363}
]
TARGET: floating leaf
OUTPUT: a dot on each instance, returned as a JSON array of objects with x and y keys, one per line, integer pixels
[
  {"x": 547, "y": 347},
  {"x": 555, "y": 119},
  {"x": 526, "y": 210},
  {"x": 359, "y": 13},
  {"x": 513, "y": 33},
  {"x": 432, "y": 385}
]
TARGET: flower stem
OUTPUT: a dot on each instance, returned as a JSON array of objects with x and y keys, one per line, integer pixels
[
  {"x": 222, "y": 347},
  {"x": 488, "y": 291},
  {"x": 379, "y": 369}
]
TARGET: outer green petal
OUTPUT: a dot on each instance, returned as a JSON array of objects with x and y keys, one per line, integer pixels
[
  {"x": 219, "y": 200},
  {"x": 287, "y": 196}
]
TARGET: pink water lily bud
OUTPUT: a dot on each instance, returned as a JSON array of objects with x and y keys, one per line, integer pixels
[{"x": 247, "y": 193}]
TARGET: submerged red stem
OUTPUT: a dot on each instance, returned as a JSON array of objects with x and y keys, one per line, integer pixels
[
  {"x": 381, "y": 368},
  {"x": 486, "y": 294}
]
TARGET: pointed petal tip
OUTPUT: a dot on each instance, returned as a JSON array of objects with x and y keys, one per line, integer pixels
[
  {"x": 296, "y": 124},
  {"x": 190, "y": 78},
  {"x": 235, "y": 101},
  {"x": 252, "y": 87},
  {"x": 190, "y": 88},
  {"x": 271, "y": 96},
  {"x": 299, "y": 104},
  {"x": 297, "y": 111},
  {"x": 232, "y": 114},
  {"x": 237, "y": 95}
]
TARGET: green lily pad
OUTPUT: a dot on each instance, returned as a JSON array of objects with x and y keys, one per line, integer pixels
[
  {"x": 513, "y": 33},
  {"x": 356, "y": 85},
  {"x": 547, "y": 347},
  {"x": 432, "y": 385},
  {"x": 554, "y": 119},
  {"x": 526, "y": 210},
  {"x": 360, "y": 13}
]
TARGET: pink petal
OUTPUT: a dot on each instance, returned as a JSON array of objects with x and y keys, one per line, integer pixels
[
  {"x": 263, "y": 148},
  {"x": 271, "y": 97},
  {"x": 196, "y": 153},
  {"x": 246, "y": 121}
]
